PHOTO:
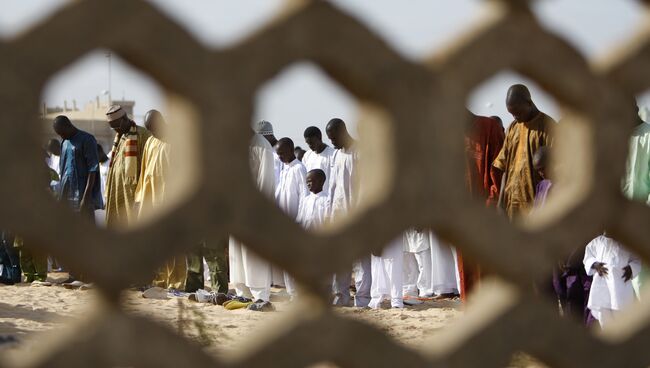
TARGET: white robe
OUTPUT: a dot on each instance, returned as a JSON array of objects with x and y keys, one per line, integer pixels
[
  {"x": 387, "y": 275},
  {"x": 342, "y": 193},
  {"x": 417, "y": 263},
  {"x": 609, "y": 293},
  {"x": 314, "y": 210},
  {"x": 292, "y": 188},
  {"x": 323, "y": 161},
  {"x": 443, "y": 267},
  {"x": 246, "y": 268}
]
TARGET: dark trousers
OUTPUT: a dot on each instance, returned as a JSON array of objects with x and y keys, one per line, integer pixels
[
  {"x": 215, "y": 257},
  {"x": 10, "y": 260},
  {"x": 572, "y": 287}
]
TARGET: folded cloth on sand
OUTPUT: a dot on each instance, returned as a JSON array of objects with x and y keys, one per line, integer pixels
[
  {"x": 235, "y": 304},
  {"x": 261, "y": 306},
  {"x": 155, "y": 293}
]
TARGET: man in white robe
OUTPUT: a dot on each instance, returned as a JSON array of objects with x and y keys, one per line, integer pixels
[
  {"x": 319, "y": 155},
  {"x": 292, "y": 188},
  {"x": 444, "y": 281},
  {"x": 417, "y": 263},
  {"x": 387, "y": 275},
  {"x": 612, "y": 268},
  {"x": 265, "y": 129},
  {"x": 250, "y": 274},
  {"x": 344, "y": 195}
]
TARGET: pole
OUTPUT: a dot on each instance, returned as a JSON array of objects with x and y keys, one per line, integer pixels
[{"x": 110, "y": 98}]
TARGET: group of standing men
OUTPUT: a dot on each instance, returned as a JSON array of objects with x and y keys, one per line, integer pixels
[{"x": 506, "y": 171}]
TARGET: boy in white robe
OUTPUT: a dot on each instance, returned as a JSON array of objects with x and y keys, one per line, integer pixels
[
  {"x": 387, "y": 275},
  {"x": 315, "y": 208},
  {"x": 417, "y": 263},
  {"x": 613, "y": 268},
  {"x": 250, "y": 274},
  {"x": 292, "y": 188}
]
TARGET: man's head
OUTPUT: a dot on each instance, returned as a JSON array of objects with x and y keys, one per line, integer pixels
[
  {"x": 520, "y": 104},
  {"x": 299, "y": 152},
  {"x": 118, "y": 120},
  {"x": 284, "y": 149},
  {"x": 63, "y": 127},
  {"x": 541, "y": 160},
  {"x": 155, "y": 123},
  {"x": 315, "y": 180},
  {"x": 313, "y": 138},
  {"x": 265, "y": 129},
  {"x": 54, "y": 147},
  {"x": 337, "y": 132}
]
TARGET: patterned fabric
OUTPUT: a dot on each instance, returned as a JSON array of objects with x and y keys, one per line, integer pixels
[
  {"x": 123, "y": 176},
  {"x": 523, "y": 139}
]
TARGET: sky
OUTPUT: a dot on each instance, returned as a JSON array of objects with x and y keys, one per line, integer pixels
[{"x": 302, "y": 95}]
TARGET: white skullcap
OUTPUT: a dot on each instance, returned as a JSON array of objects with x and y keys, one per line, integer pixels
[
  {"x": 115, "y": 112},
  {"x": 263, "y": 127}
]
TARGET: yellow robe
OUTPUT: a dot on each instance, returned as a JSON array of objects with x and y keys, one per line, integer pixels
[
  {"x": 523, "y": 139},
  {"x": 122, "y": 182},
  {"x": 150, "y": 195}
]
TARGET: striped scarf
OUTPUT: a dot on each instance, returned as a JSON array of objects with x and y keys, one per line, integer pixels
[{"x": 130, "y": 151}]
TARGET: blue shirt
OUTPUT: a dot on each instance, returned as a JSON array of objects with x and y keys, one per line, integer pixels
[{"x": 79, "y": 158}]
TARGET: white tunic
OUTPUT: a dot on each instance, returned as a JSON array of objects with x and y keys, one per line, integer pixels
[
  {"x": 342, "y": 193},
  {"x": 314, "y": 210},
  {"x": 417, "y": 241},
  {"x": 610, "y": 292},
  {"x": 323, "y": 161},
  {"x": 443, "y": 267},
  {"x": 292, "y": 187},
  {"x": 245, "y": 266}
]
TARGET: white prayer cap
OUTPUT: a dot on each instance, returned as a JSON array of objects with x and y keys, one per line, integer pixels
[
  {"x": 115, "y": 112},
  {"x": 263, "y": 127}
]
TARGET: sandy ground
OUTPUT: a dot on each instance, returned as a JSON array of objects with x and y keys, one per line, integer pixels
[{"x": 27, "y": 312}]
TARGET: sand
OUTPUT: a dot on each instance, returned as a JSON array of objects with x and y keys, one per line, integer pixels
[{"x": 28, "y": 312}]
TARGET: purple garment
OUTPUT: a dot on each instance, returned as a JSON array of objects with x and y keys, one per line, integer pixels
[{"x": 541, "y": 192}]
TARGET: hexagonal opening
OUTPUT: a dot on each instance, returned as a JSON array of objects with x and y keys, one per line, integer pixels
[{"x": 84, "y": 91}]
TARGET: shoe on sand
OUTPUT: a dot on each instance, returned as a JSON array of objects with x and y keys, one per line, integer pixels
[
  {"x": 412, "y": 301},
  {"x": 155, "y": 293},
  {"x": 74, "y": 285},
  {"x": 87, "y": 286},
  {"x": 261, "y": 306}
]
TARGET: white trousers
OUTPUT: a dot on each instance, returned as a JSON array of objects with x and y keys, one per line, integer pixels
[
  {"x": 417, "y": 273},
  {"x": 249, "y": 271},
  {"x": 387, "y": 276}
]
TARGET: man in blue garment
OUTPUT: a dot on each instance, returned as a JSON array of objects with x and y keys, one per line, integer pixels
[{"x": 79, "y": 168}]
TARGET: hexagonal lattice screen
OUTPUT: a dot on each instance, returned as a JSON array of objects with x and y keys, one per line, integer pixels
[{"x": 425, "y": 101}]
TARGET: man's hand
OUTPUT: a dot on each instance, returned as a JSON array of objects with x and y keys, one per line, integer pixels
[
  {"x": 600, "y": 268},
  {"x": 627, "y": 273}
]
